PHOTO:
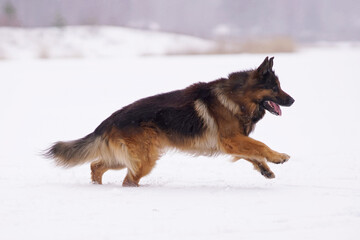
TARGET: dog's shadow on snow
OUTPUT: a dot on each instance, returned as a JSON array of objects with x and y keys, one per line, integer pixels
[{"x": 210, "y": 187}]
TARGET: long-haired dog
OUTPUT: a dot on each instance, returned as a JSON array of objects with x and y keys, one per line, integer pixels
[{"x": 202, "y": 119}]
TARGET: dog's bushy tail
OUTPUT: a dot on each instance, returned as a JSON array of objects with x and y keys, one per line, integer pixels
[{"x": 72, "y": 153}]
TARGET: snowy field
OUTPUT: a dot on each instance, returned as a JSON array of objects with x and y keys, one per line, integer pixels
[
  {"x": 316, "y": 195},
  {"x": 93, "y": 42}
]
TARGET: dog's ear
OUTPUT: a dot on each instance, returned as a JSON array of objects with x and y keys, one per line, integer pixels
[
  {"x": 264, "y": 67},
  {"x": 271, "y": 63}
]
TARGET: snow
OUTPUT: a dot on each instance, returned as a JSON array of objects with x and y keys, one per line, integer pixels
[
  {"x": 316, "y": 195},
  {"x": 94, "y": 41}
]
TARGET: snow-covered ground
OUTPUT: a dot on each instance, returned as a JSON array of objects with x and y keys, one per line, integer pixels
[
  {"x": 316, "y": 195},
  {"x": 93, "y": 42}
]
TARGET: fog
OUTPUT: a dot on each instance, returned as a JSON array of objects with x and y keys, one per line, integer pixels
[{"x": 301, "y": 20}]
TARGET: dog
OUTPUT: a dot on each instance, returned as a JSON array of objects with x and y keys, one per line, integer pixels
[{"x": 203, "y": 119}]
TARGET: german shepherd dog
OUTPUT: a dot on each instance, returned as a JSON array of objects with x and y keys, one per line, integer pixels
[{"x": 202, "y": 119}]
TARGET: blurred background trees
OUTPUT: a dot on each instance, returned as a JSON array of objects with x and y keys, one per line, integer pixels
[{"x": 8, "y": 15}]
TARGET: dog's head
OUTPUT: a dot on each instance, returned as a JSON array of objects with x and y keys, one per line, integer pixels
[
  {"x": 261, "y": 88},
  {"x": 269, "y": 94}
]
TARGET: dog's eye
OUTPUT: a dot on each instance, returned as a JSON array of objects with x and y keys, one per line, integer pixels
[{"x": 275, "y": 88}]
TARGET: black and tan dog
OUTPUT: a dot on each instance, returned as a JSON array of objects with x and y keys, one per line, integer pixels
[{"x": 202, "y": 119}]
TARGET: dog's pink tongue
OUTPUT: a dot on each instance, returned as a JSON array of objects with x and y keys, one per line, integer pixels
[{"x": 276, "y": 107}]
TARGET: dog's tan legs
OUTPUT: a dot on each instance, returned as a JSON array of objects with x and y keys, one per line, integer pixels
[
  {"x": 132, "y": 179},
  {"x": 278, "y": 158},
  {"x": 253, "y": 151},
  {"x": 143, "y": 149},
  {"x": 98, "y": 169},
  {"x": 246, "y": 147},
  {"x": 143, "y": 167},
  {"x": 263, "y": 168}
]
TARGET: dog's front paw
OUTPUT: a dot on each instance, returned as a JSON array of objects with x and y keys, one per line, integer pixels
[
  {"x": 279, "y": 158},
  {"x": 267, "y": 173}
]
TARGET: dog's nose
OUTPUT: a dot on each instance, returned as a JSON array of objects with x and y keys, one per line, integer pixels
[{"x": 290, "y": 101}]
